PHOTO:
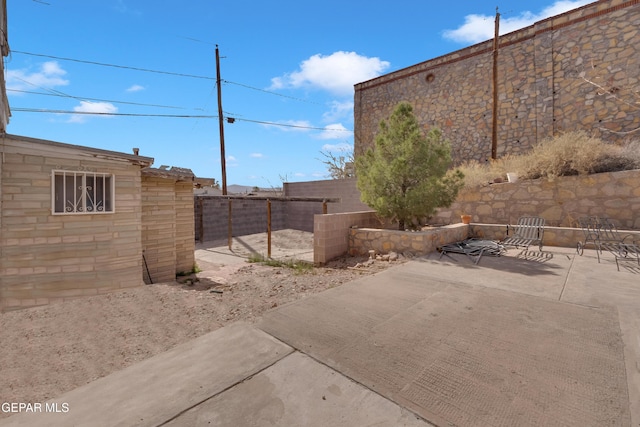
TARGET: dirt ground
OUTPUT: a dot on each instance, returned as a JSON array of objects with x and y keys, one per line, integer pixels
[{"x": 47, "y": 351}]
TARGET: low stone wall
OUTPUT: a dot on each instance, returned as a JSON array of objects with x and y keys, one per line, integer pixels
[
  {"x": 560, "y": 202},
  {"x": 361, "y": 240},
  {"x": 566, "y": 237}
]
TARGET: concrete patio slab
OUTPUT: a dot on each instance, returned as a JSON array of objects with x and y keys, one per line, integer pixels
[
  {"x": 470, "y": 345},
  {"x": 298, "y": 391}
]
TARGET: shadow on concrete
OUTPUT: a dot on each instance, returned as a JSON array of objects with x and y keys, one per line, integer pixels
[{"x": 529, "y": 263}]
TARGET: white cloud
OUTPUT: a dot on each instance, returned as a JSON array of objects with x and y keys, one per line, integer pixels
[
  {"x": 135, "y": 88},
  {"x": 98, "y": 108},
  {"x": 299, "y": 175},
  {"x": 334, "y": 131},
  {"x": 49, "y": 75},
  {"x": 478, "y": 28},
  {"x": 342, "y": 147},
  {"x": 339, "y": 110},
  {"x": 256, "y": 155},
  {"x": 231, "y": 161},
  {"x": 336, "y": 73}
]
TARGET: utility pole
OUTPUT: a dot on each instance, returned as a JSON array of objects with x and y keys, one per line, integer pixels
[
  {"x": 221, "y": 123},
  {"x": 494, "y": 130}
]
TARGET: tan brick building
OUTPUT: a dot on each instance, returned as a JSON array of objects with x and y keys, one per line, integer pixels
[
  {"x": 578, "y": 70},
  {"x": 74, "y": 221}
]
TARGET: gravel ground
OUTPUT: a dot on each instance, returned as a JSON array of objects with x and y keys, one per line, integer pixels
[{"x": 47, "y": 351}]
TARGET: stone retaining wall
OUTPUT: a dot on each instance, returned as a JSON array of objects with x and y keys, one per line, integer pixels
[
  {"x": 567, "y": 237},
  {"x": 560, "y": 202}
]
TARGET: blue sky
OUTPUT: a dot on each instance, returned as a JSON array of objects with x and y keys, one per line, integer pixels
[{"x": 288, "y": 70}]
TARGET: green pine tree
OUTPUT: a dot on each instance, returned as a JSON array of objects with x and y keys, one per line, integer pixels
[{"x": 406, "y": 177}]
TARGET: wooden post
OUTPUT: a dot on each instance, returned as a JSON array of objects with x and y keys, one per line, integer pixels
[
  {"x": 324, "y": 207},
  {"x": 268, "y": 228},
  {"x": 230, "y": 235},
  {"x": 223, "y": 161}
]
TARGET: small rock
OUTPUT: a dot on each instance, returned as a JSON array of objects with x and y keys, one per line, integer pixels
[{"x": 393, "y": 256}]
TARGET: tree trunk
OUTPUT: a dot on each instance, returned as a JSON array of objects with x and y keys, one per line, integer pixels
[{"x": 401, "y": 225}]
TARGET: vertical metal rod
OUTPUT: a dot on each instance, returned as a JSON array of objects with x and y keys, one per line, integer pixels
[
  {"x": 268, "y": 228},
  {"x": 221, "y": 124},
  {"x": 230, "y": 235},
  {"x": 201, "y": 220},
  {"x": 494, "y": 129}
]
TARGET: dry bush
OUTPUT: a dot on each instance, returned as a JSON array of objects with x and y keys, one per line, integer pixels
[
  {"x": 477, "y": 174},
  {"x": 571, "y": 153},
  {"x": 625, "y": 156}
]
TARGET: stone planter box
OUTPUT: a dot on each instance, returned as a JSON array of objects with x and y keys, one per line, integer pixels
[{"x": 362, "y": 240}]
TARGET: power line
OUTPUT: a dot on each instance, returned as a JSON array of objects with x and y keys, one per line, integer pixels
[
  {"x": 180, "y": 116},
  {"x": 292, "y": 126},
  {"x": 164, "y": 72},
  {"x": 62, "y": 95},
  {"x": 93, "y": 113},
  {"x": 270, "y": 92},
  {"x": 114, "y": 66}
]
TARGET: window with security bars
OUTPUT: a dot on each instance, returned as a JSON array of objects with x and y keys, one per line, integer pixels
[{"x": 82, "y": 192}]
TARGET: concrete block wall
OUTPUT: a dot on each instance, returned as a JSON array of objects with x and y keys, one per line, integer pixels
[
  {"x": 167, "y": 227},
  {"x": 300, "y": 214},
  {"x": 47, "y": 258},
  {"x": 247, "y": 217},
  {"x": 560, "y": 202},
  {"x": 159, "y": 228},
  {"x": 185, "y": 226},
  {"x": 331, "y": 233},
  {"x": 542, "y": 84}
]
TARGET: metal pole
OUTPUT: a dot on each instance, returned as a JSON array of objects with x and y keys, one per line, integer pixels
[
  {"x": 230, "y": 231},
  {"x": 221, "y": 124},
  {"x": 268, "y": 228},
  {"x": 494, "y": 130}
]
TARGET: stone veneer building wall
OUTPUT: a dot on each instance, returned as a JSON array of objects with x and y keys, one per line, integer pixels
[
  {"x": 542, "y": 73},
  {"x": 46, "y": 257}
]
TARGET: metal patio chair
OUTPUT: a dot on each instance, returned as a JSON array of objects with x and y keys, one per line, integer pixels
[
  {"x": 474, "y": 249},
  {"x": 601, "y": 232},
  {"x": 528, "y": 231}
]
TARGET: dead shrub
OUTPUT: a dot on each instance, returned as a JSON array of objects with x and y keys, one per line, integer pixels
[{"x": 571, "y": 153}]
